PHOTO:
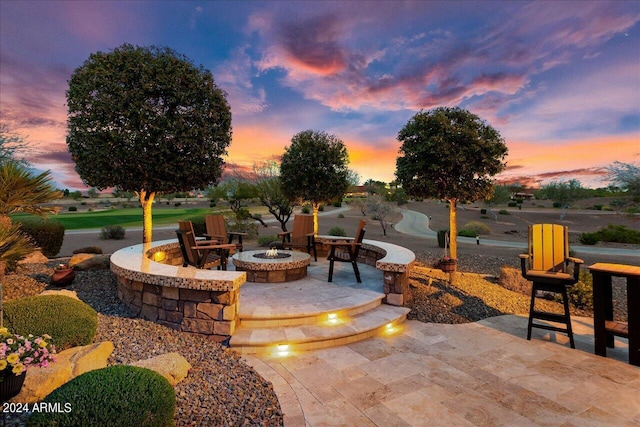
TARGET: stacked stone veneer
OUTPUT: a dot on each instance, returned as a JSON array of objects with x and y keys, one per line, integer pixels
[
  {"x": 394, "y": 261},
  {"x": 201, "y": 302}
]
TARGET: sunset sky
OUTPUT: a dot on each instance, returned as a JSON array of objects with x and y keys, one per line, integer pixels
[{"x": 560, "y": 80}]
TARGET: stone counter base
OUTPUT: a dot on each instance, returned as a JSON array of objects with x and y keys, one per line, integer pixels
[
  {"x": 211, "y": 314},
  {"x": 275, "y": 276}
]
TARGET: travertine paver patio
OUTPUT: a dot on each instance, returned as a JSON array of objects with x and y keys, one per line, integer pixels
[{"x": 483, "y": 373}]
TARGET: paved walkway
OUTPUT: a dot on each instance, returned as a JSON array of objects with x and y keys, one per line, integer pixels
[{"x": 482, "y": 374}]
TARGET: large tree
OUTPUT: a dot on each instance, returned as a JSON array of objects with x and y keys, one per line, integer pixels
[
  {"x": 314, "y": 170},
  {"x": 146, "y": 120},
  {"x": 627, "y": 176},
  {"x": 450, "y": 154}
]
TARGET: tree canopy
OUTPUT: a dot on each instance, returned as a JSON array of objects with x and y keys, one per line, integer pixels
[
  {"x": 627, "y": 175},
  {"x": 314, "y": 169},
  {"x": 146, "y": 120},
  {"x": 451, "y": 154}
]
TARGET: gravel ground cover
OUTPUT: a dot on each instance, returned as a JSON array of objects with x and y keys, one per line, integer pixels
[{"x": 220, "y": 390}]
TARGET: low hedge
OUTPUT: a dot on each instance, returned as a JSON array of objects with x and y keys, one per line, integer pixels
[
  {"x": 612, "y": 233},
  {"x": 113, "y": 232},
  {"x": 47, "y": 233},
  {"x": 70, "y": 322},
  {"x": 118, "y": 395}
]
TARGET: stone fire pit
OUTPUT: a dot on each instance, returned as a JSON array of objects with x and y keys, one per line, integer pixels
[{"x": 266, "y": 267}]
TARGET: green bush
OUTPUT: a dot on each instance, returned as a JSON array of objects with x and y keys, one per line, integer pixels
[
  {"x": 476, "y": 227},
  {"x": 118, "y": 395},
  {"x": 557, "y": 205},
  {"x": 483, "y": 211},
  {"x": 340, "y": 216},
  {"x": 113, "y": 232},
  {"x": 265, "y": 241},
  {"x": 72, "y": 208},
  {"x": 337, "y": 204},
  {"x": 48, "y": 234},
  {"x": 581, "y": 294},
  {"x": 466, "y": 233},
  {"x": 306, "y": 210},
  {"x": 588, "y": 238},
  {"x": 503, "y": 212},
  {"x": 612, "y": 233},
  {"x": 512, "y": 204},
  {"x": 199, "y": 225},
  {"x": 70, "y": 322},
  {"x": 337, "y": 231}
]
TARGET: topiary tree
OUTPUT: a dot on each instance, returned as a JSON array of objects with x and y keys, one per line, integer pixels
[
  {"x": 451, "y": 154},
  {"x": 314, "y": 170},
  {"x": 146, "y": 120}
]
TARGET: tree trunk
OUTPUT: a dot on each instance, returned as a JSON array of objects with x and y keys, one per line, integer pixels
[
  {"x": 146, "y": 201},
  {"x": 316, "y": 208},
  {"x": 453, "y": 236}
]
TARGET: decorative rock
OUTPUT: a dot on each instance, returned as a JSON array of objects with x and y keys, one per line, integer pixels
[
  {"x": 34, "y": 258},
  {"x": 88, "y": 250},
  {"x": 172, "y": 366},
  {"x": 69, "y": 364},
  {"x": 84, "y": 262},
  {"x": 63, "y": 292}
]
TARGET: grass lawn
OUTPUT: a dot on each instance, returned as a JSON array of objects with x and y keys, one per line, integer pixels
[{"x": 128, "y": 217}]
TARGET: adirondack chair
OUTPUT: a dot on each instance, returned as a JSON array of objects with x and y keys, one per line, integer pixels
[
  {"x": 201, "y": 254},
  {"x": 302, "y": 235},
  {"x": 217, "y": 230},
  {"x": 347, "y": 252},
  {"x": 546, "y": 265}
]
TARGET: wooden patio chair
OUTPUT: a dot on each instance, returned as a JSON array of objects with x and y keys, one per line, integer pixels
[
  {"x": 347, "y": 252},
  {"x": 302, "y": 235},
  {"x": 546, "y": 265},
  {"x": 200, "y": 254},
  {"x": 217, "y": 230}
]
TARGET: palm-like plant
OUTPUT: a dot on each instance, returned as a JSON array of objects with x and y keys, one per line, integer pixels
[{"x": 22, "y": 191}]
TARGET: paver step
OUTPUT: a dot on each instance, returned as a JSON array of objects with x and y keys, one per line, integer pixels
[
  {"x": 329, "y": 333},
  {"x": 311, "y": 317}
]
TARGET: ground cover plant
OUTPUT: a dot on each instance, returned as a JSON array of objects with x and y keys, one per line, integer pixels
[
  {"x": 114, "y": 396},
  {"x": 70, "y": 322}
]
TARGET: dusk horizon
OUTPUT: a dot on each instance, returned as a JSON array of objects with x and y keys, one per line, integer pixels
[{"x": 560, "y": 81}]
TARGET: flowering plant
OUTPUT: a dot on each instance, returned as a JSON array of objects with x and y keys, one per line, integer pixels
[
  {"x": 61, "y": 267},
  {"x": 18, "y": 353}
]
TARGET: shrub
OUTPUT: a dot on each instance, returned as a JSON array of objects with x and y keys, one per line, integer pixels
[
  {"x": 199, "y": 225},
  {"x": 120, "y": 395},
  {"x": 337, "y": 204},
  {"x": 337, "y": 231},
  {"x": 48, "y": 234},
  {"x": 265, "y": 241},
  {"x": 114, "y": 232},
  {"x": 512, "y": 204},
  {"x": 70, "y": 322},
  {"x": 504, "y": 212},
  {"x": 557, "y": 205},
  {"x": 306, "y": 210},
  {"x": 83, "y": 203},
  {"x": 340, "y": 216},
  {"x": 466, "y": 233},
  {"x": 477, "y": 227},
  {"x": 72, "y": 208},
  {"x": 177, "y": 204},
  {"x": 581, "y": 294},
  {"x": 483, "y": 211},
  {"x": 511, "y": 278},
  {"x": 612, "y": 233},
  {"x": 588, "y": 238}
]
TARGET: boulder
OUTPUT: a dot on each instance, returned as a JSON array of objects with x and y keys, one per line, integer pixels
[
  {"x": 84, "y": 262},
  {"x": 69, "y": 363},
  {"x": 172, "y": 366},
  {"x": 63, "y": 292},
  {"x": 88, "y": 250},
  {"x": 34, "y": 258}
]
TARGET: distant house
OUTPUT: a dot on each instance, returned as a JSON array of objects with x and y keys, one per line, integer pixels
[
  {"x": 525, "y": 196},
  {"x": 357, "y": 191}
]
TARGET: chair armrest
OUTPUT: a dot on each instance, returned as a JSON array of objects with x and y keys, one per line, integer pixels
[
  {"x": 576, "y": 268},
  {"x": 237, "y": 233},
  {"x": 523, "y": 264}
]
